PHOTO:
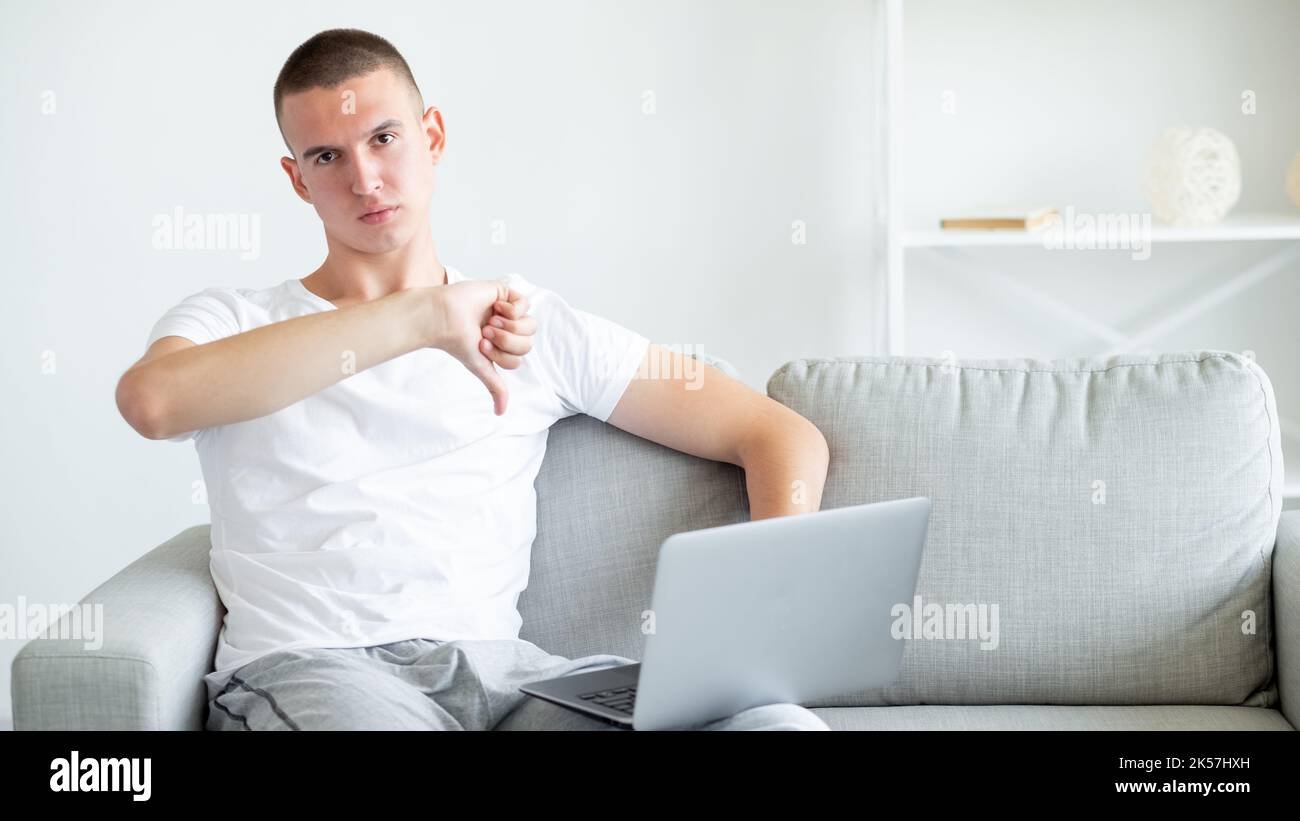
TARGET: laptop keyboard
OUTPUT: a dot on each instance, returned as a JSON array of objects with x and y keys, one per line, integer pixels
[{"x": 622, "y": 699}]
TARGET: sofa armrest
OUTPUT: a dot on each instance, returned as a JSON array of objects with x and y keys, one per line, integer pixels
[
  {"x": 160, "y": 620},
  {"x": 1286, "y": 613}
]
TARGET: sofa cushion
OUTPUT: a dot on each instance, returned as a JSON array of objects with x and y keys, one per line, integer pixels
[
  {"x": 1119, "y": 512},
  {"x": 1043, "y": 717},
  {"x": 606, "y": 500}
]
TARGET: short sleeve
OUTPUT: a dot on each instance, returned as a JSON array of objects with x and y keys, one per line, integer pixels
[
  {"x": 202, "y": 317},
  {"x": 589, "y": 360}
]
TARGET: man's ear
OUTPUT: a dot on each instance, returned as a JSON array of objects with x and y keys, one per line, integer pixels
[
  {"x": 435, "y": 131},
  {"x": 290, "y": 166}
]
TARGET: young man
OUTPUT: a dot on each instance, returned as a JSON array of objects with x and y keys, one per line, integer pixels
[{"x": 372, "y": 508}]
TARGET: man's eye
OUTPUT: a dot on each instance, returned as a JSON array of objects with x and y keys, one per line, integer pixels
[
  {"x": 387, "y": 134},
  {"x": 322, "y": 157}
]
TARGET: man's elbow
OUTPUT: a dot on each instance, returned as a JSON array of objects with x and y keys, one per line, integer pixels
[
  {"x": 790, "y": 438},
  {"x": 138, "y": 407},
  {"x": 806, "y": 437}
]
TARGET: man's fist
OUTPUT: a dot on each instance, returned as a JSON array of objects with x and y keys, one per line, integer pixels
[{"x": 483, "y": 324}]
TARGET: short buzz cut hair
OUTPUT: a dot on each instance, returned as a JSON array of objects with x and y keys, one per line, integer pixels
[{"x": 330, "y": 57}]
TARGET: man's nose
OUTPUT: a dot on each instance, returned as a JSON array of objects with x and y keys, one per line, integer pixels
[{"x": 366, "y": 176}]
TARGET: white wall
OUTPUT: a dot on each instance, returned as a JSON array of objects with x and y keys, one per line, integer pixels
[
  {"x": 1069, "y": 96},
  {"x": 1057, "y": 103},
  {"x": 677, "y": 224}
]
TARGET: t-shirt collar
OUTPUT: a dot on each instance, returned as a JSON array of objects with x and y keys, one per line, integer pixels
[{"x": 452, "y": 276}]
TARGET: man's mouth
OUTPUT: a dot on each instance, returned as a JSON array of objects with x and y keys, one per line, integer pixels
[{"x": 381, "y": 215}]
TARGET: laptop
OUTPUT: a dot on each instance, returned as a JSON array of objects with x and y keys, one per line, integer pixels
[{"x": 785, "y": 609}]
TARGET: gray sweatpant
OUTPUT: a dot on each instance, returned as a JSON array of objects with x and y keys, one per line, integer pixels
[{"x": 426, "y": 684}]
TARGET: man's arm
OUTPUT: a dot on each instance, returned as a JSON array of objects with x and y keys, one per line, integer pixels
[
  {"x": 708, "y": 414},
  {"x": 177, "y": 388}
]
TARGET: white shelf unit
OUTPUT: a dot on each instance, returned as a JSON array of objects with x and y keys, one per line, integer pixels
[
  {"x": 901, "y": 240},
  {"x": 1234, "y": 228}
]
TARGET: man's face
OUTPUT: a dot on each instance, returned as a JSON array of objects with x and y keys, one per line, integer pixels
[{"x": 362, "y": 146}]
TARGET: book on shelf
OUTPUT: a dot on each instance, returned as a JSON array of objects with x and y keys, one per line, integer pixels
[{"x": 1004, "y": 219}]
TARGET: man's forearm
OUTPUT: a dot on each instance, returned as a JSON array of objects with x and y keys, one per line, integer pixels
[
  {"x": 260, "y": 371},
  {"x": 785, "y": 470}
]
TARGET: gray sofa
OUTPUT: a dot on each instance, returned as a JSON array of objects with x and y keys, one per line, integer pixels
[{"x": 1124, "y": 515}]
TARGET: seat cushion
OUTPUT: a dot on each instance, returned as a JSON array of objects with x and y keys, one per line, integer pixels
[
  {"x": 1119, "y": 513},
  {"x": 1041, "y": 717}
]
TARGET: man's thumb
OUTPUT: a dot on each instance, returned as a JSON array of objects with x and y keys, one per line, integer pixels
[
  {"x": 486, "y": 371},
  {"x": 503, "y": 289}
]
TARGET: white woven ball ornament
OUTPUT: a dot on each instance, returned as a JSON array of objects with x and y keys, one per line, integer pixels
[
  {"x": 1193, "y": 176},
  {"x": 1293, "y": 180}
]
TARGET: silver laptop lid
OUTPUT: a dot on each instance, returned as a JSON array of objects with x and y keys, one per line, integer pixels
[{"x": 787, "y": 609}]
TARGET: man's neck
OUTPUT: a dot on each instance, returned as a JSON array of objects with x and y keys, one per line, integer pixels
[{"x": 349, "y": 277}]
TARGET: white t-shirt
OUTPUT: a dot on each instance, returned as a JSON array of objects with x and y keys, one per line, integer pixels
[{"x": 393, "y": 504}]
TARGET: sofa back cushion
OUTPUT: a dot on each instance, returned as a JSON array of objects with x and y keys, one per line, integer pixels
[
  {"x": 606, "y": 500},
  {"x": 1119, "y": 513}
]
